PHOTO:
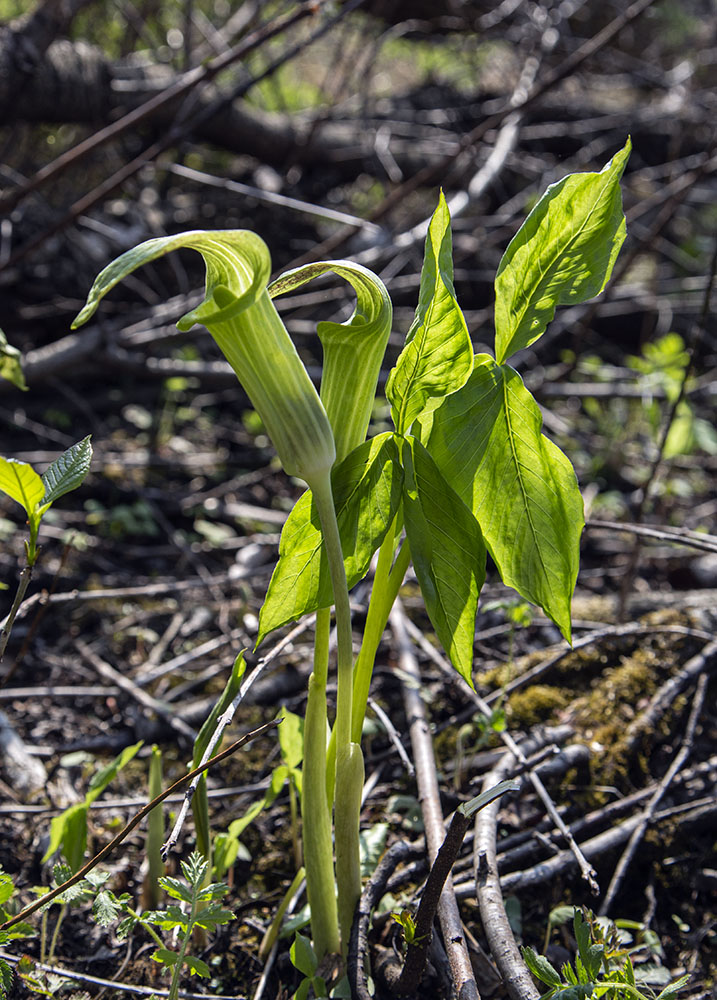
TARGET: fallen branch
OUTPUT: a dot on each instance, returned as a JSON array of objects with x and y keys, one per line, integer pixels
[{"x": 429, "y": 797}]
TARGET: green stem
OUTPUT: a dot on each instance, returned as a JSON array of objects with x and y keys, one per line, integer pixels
[
  {"x": 315, "y": 810},
  {"x": 22, "y": 586},
  {"x": 323, "y": 498},
  {"x": 387, "y": 582},
  {"x": 173, "y": 993},
  {"x": 272, "y": 933},
  {"x": 349, "y": 761},
  {"x": 56, "y": 932}
]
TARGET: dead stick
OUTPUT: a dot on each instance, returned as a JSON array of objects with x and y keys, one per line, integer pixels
[{"x": 428, "y": 793}]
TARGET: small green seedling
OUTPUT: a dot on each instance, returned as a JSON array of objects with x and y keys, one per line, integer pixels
[
  {"x": 200, "y": 908},
  {"x": 601, "y": 966},
  {"x": 36, "y": 494},
  {"x": 155, "y": 835},
  {"x": 405, "y": 920},
  {"x": 303, "y": 958},
  {"x": 466, "y": 470}
]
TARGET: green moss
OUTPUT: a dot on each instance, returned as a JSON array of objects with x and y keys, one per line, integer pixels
[{"x": 537, "y": 704}]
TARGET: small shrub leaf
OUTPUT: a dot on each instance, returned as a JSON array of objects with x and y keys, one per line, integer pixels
[
  {"x": 673, "y": 989},
  {"x": 196, "y": 967},
  {"x": 102, "y": 777},
  {"x": 105, "y": 908},
  {"x": 68, "y": 834},
  {"x": 165, "y": 956},
  {"x": 21, "y": 483},
  {"x": 68, "y": 471}
]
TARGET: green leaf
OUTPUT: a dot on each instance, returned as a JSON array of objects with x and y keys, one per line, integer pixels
[
  {"x": 105, "y": 908},
  {"x": 448, "y": 554},
  {"x": 291, "y": 737},
  {"x": 227, "y": 696},
  {"x": 438, "y": 356},
  {"x": 175, "y": 888},
  {"x": 560, "y": 915},
  {"x": 541, "y": 967},
  {"x": 303, "y": 991},
  {"x": 303, "y": 956},
  {"x": 68, "y": 471},
  {"x": 562, "y": 254},
  {"x": 6, "y": 978},
  {"x": 125, "y": 927},
  {"x": 353, "y": 351},
  {"x": 674, "y": 988},
  {"x": 367, "y": 492},
  {"x": 166, "y": 957},
  {"x": 6, "y": 886},
  {"x": 10, "y": 363},
  {"x": 102, "y": 778},
  {"x": 196, "y": 967},
  {"x": 589, "y": 954},
  {"x": 21, "y": 483},
  {"x": 278, "y": 779},
  {"x": 68, "y": 833},
  {"x": 212, "y": 916},
  {"x": 486, "y": 439}
]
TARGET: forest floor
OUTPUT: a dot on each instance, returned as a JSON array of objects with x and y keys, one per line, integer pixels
[{"x": 152, "y": 574}]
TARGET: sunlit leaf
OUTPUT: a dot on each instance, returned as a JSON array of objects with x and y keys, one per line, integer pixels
[
  {"x": 102, "y": 778},
  {"x": 438, "y": 356},
  {"x": 68, "y": 471},
  {"x": 291, "y": 737},
  {"x": 20, "y": 482},
  {"x": 562, "y": 254},
  {"x": 68, "y": 834},
  {"x": 196, "y": 966},
  {"x": 487, "y": 441}
]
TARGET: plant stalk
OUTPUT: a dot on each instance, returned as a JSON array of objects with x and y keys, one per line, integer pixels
[
  {"x": 386, "y": 584},
  {"x": 22, "y": 586},
  {"x": 349, "y": 760},
  {"x": 315, "y": 809}
]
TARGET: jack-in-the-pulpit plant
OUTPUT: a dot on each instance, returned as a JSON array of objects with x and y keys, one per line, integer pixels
[{"x": 465, "y": 471}]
